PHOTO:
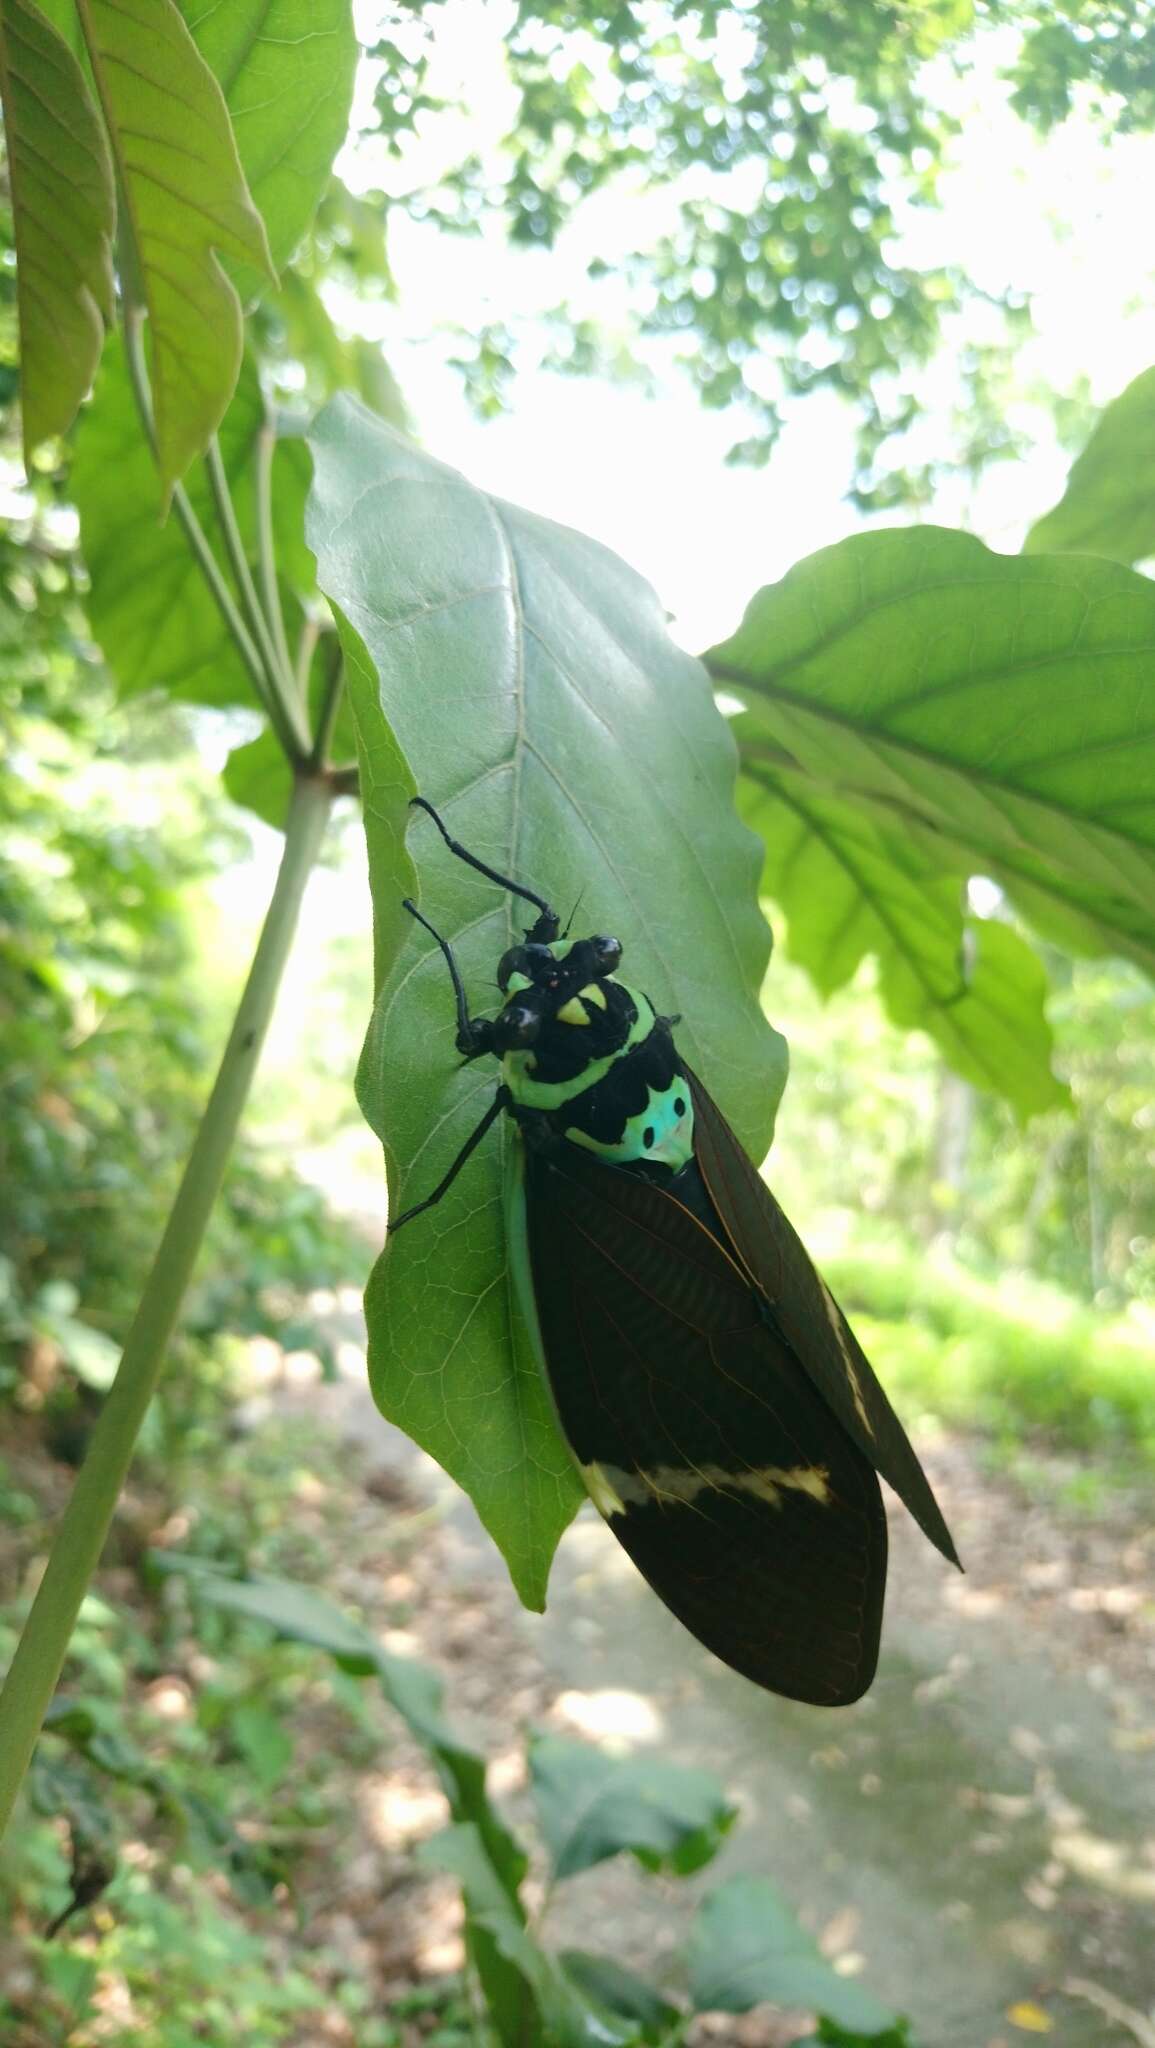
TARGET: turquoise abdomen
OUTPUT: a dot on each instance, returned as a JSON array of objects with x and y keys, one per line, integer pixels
[{"x": 662, "y": 1133}]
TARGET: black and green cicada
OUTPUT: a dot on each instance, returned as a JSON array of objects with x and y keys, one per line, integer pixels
[{"x": 720, "y": 1411}]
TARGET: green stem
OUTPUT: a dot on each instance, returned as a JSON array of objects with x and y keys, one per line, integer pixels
[
  {"x": 291, "y": 727},
  {"x": 330, "y": 702},
  {"x": 84, "y": 1525},
  {"x": 306, "y": 645},
  {"x": 193, "y": 530},
  {"x": 267, "y": 554}
]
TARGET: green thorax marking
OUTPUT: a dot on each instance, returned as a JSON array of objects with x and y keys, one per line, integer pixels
[
  {"x": 631, "y": 1105},
  {"x": 517, "y": 1067}
]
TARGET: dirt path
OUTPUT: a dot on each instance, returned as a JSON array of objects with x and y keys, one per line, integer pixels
[{"x": 977, "y": 1836}]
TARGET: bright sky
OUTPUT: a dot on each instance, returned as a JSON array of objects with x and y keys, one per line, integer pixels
[{"x": 647, "y": 476}]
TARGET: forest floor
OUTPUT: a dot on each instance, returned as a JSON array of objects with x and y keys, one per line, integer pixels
[{"x": 976, "y": 1837}]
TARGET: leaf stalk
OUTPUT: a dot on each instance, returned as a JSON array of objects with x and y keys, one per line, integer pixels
[
  {"x": 279, "y": 677},
  {"x": 267, "y": 558}
]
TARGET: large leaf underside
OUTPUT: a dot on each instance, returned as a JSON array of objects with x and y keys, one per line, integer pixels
[
  {"x": 527, "y": 677},
  {"x": 929, "y": 709}
]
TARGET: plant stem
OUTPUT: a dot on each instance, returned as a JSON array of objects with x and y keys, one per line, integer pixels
[
  {"x": 310, "y": 634},
  {"x": 267, "y": 554},
  {"x": 330, "y": 702},
  {"x": 84, "y": 1525},
  {"x": 280, "y": 680}
]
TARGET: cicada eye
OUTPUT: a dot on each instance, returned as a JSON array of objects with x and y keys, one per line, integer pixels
[
  {"x": 519, "y": 1025},
  {"x": 607, "y": 954}
]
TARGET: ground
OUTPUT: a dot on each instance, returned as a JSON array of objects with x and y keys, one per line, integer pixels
[{"x": 976, "y": 1837}]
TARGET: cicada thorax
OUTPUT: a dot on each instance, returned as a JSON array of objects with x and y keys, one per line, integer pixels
[{"x": 605, "y": 1074}]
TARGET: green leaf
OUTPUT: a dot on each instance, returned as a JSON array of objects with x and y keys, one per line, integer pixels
[
  {"x": 999, "y": 708},
  {"x": 290, "y": 1611},
  {"x": 1108, "y": 507},
  {"x": 414, "y": 1691},
  {"x": 565, "y": 2017},
  {"x": 606, "y": 1983},
  {"x": 747, "y": 1949},
  {"x": 262, "y": 1741},
  {"x": 850, "y": 885},
  {"x": 63, "y": 215},
  {"x": 258, "y": 777},
  {"x": 591, "y": 1806},
  {"x": 832, "y": 2036},
  {"x": 526, "y": 675},
  {"x": 149, "y": 606},
  {"x": 386, "y": 786},
  {"x": 286, "y": 70},
  {"x": 187, "y": 204}
]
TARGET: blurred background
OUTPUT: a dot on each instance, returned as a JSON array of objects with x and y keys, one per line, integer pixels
[{"x": 534, "y": 256}]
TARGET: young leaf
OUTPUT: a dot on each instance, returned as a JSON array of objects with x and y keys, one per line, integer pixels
[
  {"x": 262, "y": 1740},
  {"x": 851, "y": 884},
  {"x": 566, "y": 2020},
  {"x": 591, "y": 1806},
  {"x": 291, "y": 1611},
  {"x": 149, "y": 606},
  {"x": 747, "y": 1949},
  {"x": 414, "y": 1691},
  {"x": 527, "y": 677},
  {"x": 1108, "y": 507},
  {"x": 829, "y": 2035},
  {"x": 1003, "y": 707},
  {"x": 606, "y": 1983},
  {"x": 286, "y": 72},
  {"x": 63, "y": 218},
  {"x": 187, "y": 204}
]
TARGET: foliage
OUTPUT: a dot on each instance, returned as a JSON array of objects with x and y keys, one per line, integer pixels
[
  {"x": 781, "y": 151},
  {"x": 982, "y": 706},
  {"x": 110, "y": 831},
  {"x": 1016, "y": 1359},
  {"x": 157, "y": 623},
  {"x": 879, "y": 1144},
  {"x": 746, "y": 1948},
  {"x": 224, "y": 1787},
  {"x": 111, "y": 1769},
  {"x": 47, "y": 111},
  {"x": 915, "y": 714},
  {"x": 1107, "y": 507}
]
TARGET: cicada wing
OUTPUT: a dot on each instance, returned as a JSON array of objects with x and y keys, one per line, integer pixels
[
  {"x": 806, "y": 1314},
  {"x": 716, "y": 1463}
]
